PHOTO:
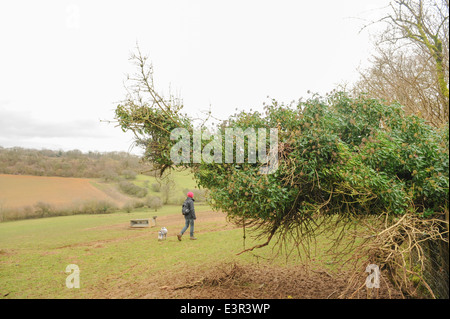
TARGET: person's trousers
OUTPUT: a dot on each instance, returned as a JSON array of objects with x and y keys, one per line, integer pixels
[{"x": 189, "y": 222}]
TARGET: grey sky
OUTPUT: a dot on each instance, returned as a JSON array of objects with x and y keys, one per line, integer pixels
[{"x": 62, "y": 63}]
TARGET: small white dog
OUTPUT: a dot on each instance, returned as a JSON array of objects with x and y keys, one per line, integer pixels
[{"x": 162, "y": 234}]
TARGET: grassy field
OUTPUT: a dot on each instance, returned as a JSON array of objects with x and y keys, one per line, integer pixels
[
  {"x": 110, "y": 255},
  {"x": 116, "y": 261}
]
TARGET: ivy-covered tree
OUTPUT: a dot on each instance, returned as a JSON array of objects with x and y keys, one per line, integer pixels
[{"x": 340, "y": 158}]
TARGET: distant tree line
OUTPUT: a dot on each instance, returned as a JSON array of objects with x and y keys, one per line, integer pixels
[
  {"x": 43, "y": 209},
  {"x": 74, "y": 163}
]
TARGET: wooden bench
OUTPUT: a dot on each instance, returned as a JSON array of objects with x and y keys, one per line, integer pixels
[
  {"x": 142, "y": 223},
  {"x": 139, "y": 223}
]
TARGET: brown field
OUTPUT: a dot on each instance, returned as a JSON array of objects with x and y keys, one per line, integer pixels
[{"x": 19, "y": 190}]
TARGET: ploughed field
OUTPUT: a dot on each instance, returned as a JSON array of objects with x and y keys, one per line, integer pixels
[{"x": 20, "y": 191}]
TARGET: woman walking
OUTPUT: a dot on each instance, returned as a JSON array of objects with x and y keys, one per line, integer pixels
[{"x": 189, "y": 216}]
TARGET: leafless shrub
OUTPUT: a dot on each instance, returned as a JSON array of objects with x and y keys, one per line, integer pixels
[{"x": 399, "y": 249}]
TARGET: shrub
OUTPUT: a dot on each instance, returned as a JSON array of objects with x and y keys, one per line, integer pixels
[
  {"x": 2, "y": 211},
  {"x": 128, "y": 207},
  {"x": 156, "y": 187},
  {"x": 129, "y": 174},
  {"x": 28, "y": 212},
  {"x": 154, "y": 202},
  {"x": 132, "y": 189},
  {"x": 138, "y": 203},
  {"x": 97, "y": 207},
  {"x": 109, "y": 175},
  {"x": 43, "y": 209}
]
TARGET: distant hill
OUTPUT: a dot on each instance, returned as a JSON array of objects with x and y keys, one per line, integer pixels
[
  {"x": 45, "y": 183},
  {"x": 22, "y": 161}
]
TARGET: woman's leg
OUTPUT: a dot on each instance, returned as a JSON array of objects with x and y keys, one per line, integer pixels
[
  {"x": 192, "y": 227},
  {"x": 185, "y": 227}
]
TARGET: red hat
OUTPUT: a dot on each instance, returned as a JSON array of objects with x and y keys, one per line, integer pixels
[{"x": 190, "y": 194}]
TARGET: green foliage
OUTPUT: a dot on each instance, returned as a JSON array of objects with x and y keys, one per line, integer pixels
[
  {"x": 153, "y": 126},
  {"x": 132, "y": 189},
  {"x": 338, "y": 156}
]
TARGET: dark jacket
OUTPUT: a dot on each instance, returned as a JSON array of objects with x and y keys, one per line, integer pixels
[{"x": 190, "y": 203}]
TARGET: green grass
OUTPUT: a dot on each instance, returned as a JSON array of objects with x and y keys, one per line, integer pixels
[
  {"x": 34, "y": 253},
  {"x": 182, "y": 179}
]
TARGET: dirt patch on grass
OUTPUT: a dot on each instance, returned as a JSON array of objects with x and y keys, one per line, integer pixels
[
  {"x": 7, "y": 252},
  {"x": 48, "y": 253},
  {"x": 101, "y": 243},
  {"x": 237, "y": 281},
  {"x": 228, "y": 281}
]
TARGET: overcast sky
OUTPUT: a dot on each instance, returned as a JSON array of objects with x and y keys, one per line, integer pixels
[{"x": 63, "y": 63}]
